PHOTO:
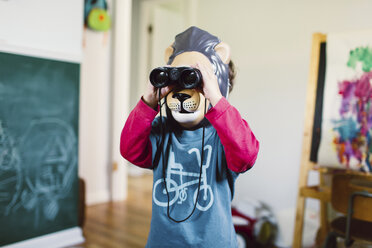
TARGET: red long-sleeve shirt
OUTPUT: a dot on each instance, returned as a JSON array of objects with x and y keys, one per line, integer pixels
[{"x": 240, "y": 145}]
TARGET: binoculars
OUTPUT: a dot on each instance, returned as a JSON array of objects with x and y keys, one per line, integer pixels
[{"x": 184, "y": 77}]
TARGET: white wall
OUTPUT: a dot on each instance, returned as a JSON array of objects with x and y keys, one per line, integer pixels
[
  {"x": 94, "y": 155},
  {"x": 41, "y": 28},
  {"x": 270, "y": 43},
  {"x": 104, "y": 104},
  {"x": 120, "y": 94}
]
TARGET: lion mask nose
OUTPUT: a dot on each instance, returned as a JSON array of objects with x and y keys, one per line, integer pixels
[
  {"x": 181, "y": 96},
  {"x": 184, "y": 101}
]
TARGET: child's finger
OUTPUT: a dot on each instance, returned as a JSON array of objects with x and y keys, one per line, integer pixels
[
  {"x": 166, "y": 90},
  {"x": 206, "y": 71}
]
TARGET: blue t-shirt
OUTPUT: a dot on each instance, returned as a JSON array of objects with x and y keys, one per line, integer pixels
[{"x": 211, "y": 223}]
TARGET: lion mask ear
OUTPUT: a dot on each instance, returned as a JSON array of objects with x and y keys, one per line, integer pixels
[
  {"x": 168, "y": 53},
  {"x": 223, "y": 51}
]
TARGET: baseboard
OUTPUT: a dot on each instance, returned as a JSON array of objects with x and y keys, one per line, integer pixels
[{"x": 68, "y": 237}]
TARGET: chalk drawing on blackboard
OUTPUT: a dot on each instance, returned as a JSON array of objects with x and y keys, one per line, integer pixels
[
  {"x": 10, "y": 172},
  {"x": 50, "y": 169}
]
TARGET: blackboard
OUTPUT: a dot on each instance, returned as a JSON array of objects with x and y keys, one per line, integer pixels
[{"x": 39, "y": 110}]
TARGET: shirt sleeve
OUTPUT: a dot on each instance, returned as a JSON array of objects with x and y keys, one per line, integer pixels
[
  {"x": 135, "y": 143},
  {"x": 240, "y": 145}
]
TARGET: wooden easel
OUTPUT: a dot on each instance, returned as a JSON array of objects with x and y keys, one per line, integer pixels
[{"x": 321, "y": 191}]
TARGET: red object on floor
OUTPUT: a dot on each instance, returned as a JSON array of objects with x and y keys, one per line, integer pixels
[{"x": 244, "y": 227}]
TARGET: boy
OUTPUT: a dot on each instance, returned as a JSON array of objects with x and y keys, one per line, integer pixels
[{"x": 195, "y": 154}]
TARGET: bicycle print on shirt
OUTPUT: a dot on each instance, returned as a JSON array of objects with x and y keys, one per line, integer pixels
[{"x": 178, "y": 180}]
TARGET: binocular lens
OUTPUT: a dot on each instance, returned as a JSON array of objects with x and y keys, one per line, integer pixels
[
  {"x": 159, "y": 78},
  {"x": 189, "y": 79}
]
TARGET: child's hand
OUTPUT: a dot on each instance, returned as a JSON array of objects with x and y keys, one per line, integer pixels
[
  {"x": 211, "y": 90},
  {"x": 151, "y": 96}
]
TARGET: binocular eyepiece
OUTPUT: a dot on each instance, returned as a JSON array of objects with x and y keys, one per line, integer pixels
[{"x": 184, "y": 77}]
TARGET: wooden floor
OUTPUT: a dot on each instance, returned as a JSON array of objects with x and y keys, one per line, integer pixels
[
  {"x": 121, "y": 224},
  {"x": 127, "y": 224}
]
